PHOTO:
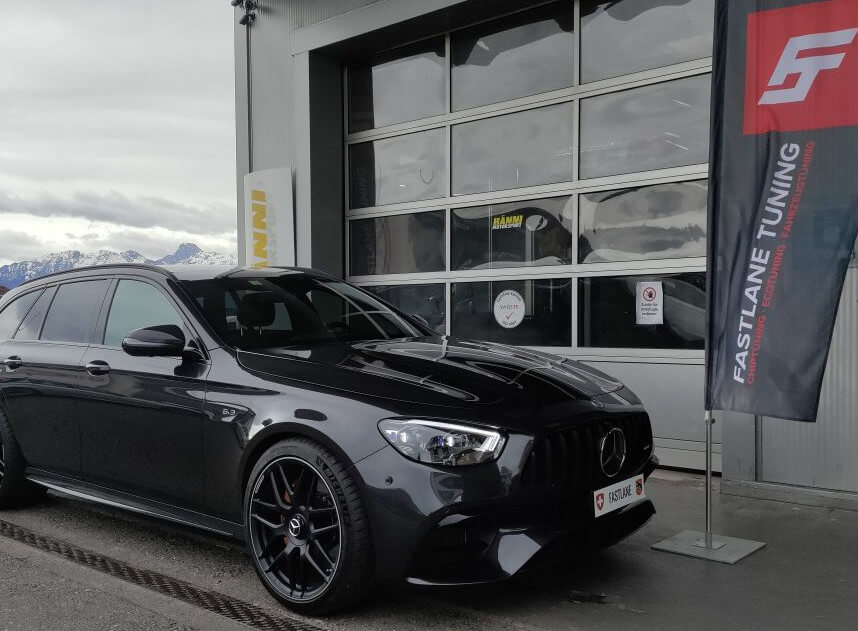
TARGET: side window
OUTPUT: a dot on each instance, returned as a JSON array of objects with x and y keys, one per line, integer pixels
[
  {"x": 32, "y": 324},
  {"x": 73, "y": 311},
  {"x": 137, "y": 305},
  {"x": 14, "y": 312}
]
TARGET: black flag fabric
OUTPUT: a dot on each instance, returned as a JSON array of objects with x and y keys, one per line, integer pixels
[{"x": 783, "y": 207}]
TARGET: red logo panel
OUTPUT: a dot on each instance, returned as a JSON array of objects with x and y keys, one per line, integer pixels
[{"x": 802, "y": 68}]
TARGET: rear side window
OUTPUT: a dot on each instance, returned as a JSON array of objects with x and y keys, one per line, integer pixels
[
  {"x": 74, "y": 311},
  {"x": 14, "y": 312},
  {"x": 136, "y": 305},
  {"x": 32, "y": 324}
]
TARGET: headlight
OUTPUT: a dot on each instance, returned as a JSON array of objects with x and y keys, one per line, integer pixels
[{"x": 436, "y": 442}]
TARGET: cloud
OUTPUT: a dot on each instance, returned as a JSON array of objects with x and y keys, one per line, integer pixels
[
  {"x": 17, "y": 246},
  {"x": 89, "y": 236},
  {"x": 121, "y": 210},
  {"x": 25, "y": 237},
  {"x": 117, "y": 122},
  {"x": 142, "y": 102},
  {"x": 153, "y": 243}
]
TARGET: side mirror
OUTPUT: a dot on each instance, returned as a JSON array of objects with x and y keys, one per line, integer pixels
[
  {"x": 167, "y": 340},
  {"x": 421, "y": 320}
]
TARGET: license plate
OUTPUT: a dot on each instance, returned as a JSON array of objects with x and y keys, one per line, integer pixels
[{"x": 617, "y": 495}]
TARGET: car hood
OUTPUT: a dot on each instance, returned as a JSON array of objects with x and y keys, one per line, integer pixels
[{"x": 435, "y": 371}]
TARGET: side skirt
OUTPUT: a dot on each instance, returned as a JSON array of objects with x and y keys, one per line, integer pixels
[{"x": 134, "y": 503}]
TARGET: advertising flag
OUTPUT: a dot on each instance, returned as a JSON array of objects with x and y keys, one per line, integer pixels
[{"x": 783, "y": 199}]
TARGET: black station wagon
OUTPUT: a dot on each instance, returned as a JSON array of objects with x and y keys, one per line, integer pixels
[{"x": 343, "y": 440}]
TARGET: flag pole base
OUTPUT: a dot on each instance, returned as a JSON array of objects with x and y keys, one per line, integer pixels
[{"x": 721, "y": 549}]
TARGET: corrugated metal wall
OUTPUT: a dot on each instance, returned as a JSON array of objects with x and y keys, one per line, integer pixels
[
  {"x": 307, "y": 12},
  {"x": 823, "y": 454}
]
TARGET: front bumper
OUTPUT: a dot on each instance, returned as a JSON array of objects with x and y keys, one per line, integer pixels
[
  {"x": 482, "y": 554},
  {"x": 442, "y": 526}
]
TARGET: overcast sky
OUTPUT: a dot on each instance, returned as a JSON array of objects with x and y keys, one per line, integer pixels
[{"x": 116, "y": 126}]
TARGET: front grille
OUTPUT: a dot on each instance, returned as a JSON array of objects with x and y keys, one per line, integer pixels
[{"x": 566, "y": 462}]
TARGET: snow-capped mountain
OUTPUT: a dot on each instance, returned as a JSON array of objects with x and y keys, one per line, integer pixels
[{"x": 187, "y": 254}]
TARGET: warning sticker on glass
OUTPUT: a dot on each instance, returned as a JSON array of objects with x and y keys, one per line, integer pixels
[{"x": 650, "y": 303}]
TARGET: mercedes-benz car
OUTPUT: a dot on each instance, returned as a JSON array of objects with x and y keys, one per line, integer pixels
[{"x": 344, "y": 440}]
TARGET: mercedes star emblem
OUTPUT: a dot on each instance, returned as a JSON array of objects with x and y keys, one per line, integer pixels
[
  {"x": 296, "y": 525},
  {"x": 612, "y": 452}
]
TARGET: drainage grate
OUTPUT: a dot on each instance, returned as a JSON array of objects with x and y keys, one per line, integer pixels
[{"x": 226, "y": 606}]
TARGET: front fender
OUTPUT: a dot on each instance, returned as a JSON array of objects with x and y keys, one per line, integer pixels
[
  {"x": 242, "y": 421},
  {"x": 278, "y": 431}
]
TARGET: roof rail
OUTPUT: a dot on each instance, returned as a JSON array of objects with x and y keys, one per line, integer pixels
[
  {"x": 308, "y": 270},
  {"x": 108, "y": 266}
]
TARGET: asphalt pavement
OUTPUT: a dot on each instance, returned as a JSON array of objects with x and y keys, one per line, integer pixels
[{"x": 806, "y": 578}]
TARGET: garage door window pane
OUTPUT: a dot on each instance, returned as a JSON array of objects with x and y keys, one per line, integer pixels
[
  {"x": 427, "y": 301},
  {"x": 608, "y": 309},
  {"x": 522, "y": 149},
  {"x": 526, "y": 53},
  {"x": 653, "y": 222},
  {"x": 534, "y": 232},
  {"x": 547, "y": 305},
  {"x": 403, "y": 85},
  {"x": 653, "y": 127},
  {"x": 634, "y": 35},
  {"x": 400, "y": 244},
  {"x": 395, "y": 170}
]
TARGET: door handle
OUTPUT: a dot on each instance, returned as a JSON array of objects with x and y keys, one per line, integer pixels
[
  {"x": 13, "y": 363},
  {"x": 97, "y": 367}
]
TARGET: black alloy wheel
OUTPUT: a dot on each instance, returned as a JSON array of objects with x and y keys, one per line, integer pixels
[{"x": 295, "y": 529}]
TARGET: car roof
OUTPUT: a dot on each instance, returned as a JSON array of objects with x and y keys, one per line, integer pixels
[
  {"x": 177, "y": 272},
  {"x": 203, "y": 272}
]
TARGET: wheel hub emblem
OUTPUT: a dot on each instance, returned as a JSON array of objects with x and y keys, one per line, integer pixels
[
  {"x": 296, "y": 526},
  {"x": 612, "y": 452}
]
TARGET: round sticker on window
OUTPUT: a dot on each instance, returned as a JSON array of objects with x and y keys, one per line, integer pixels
[{"x": 509, "y": 309}]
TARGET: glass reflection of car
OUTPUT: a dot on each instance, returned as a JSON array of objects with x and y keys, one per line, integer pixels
[{"x": 343, "y": 440}]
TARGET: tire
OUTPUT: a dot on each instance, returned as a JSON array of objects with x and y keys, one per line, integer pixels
[
  {"x": 15, "y": 489},
  {"x": 288, "y": 518}
]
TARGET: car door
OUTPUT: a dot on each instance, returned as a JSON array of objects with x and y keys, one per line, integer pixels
[
  {"x": 11, "y": 316},
  {"x": 141, "y": 417},
  {"x": 42, "y": 368}
]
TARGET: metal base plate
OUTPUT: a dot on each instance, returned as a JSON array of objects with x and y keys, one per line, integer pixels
[{"x": 692, "y": 543}]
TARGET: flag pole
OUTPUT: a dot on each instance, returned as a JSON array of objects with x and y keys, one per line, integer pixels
[
  {"x": 706, "y": 545},
  {"x": 708, "y": 534}
]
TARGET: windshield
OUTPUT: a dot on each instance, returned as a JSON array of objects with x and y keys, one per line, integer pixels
[{"x": 293, "y": 310}]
